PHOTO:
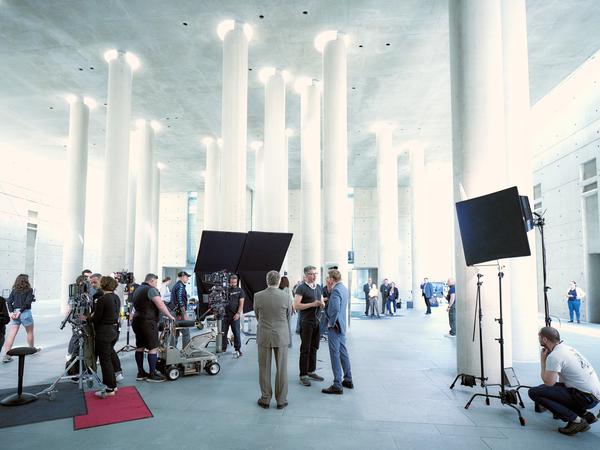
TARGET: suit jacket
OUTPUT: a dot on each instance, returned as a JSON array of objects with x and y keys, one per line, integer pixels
[
  {"x": 427, "y": 289},
  {"x": 336, "y": 307},
  {"x": 366, "y": 289},
  {"x": 272, "y": 308}
]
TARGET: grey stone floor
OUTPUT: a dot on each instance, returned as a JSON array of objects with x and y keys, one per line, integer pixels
[{"x": 402, "y": 368}]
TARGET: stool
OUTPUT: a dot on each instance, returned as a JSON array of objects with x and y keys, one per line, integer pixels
[{"x": 20, "y": 398}]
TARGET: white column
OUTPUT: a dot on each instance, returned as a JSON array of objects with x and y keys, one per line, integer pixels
[
  {"x": 212, "y": 184},
  {"x": 259, "y": 185},
  {"x": 336, "y": 215},
  {"x": 387, "y": 203},
  {"x": 522, "y": 271},
  {"x": 234, "y": 117},
  {"x": 479, "y": 166},
  {"x": 144, "y": 232},
  {"x": 134, "y": 142},
  {"x": 310, "y": 161},
  {"x": 155, "y": 266},
  {"x": 274, "y": 152},
  {"x": 116, "y": 165},
  {"x": 418, "y": 225},
  {"x": 77, "y": 155}
]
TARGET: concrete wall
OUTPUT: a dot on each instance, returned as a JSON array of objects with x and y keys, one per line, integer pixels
[{"x": 566, "y": 126}]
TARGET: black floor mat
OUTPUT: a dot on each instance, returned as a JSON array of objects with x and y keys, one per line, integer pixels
[{"x": 68, "y": 402}]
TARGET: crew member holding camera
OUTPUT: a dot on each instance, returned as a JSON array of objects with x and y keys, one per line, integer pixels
[
  {"x": 147, "y": 304},
  {"x": 579, "y": 387},
  {"x": 233, "y": 312},
  {"x": 178, "y": 306},
  {"x": 106, "y": 324}
]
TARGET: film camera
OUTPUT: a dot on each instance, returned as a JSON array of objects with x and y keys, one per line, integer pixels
[
  {"x": 80, "y": 304},
  {"x": 218, "y": 295},
  {"x": 124, "y": 277}
]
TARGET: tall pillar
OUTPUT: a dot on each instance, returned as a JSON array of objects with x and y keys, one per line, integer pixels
[
  {"x": 418, "y": 220},
  {"x": 116, "y": 162},
  {"x": 387, "y": 203},
  {"x": 259, "y": 185},
  {"x": 144, "y": 233},
  {"x": 310, "y": 170},
  {"x": 336, "y": 215},
  {"x": 522, "y": 271},
  {"x": 77, "y": 155},
  {"x": 155, "y": 265},
  {"x": 134, "y": 142},
  {"x": 274, "y": 151},
  {"x": 212, "y": 184},
  {"x": 234, "y": 117},
  {"x": 479, "y": 166}
]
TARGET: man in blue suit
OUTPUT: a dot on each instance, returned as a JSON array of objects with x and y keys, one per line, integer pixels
[
  {"x": 337, "y": 305},
  {"x": 427, "y": 289}
]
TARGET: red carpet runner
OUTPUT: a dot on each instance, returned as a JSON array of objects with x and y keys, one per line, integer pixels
[{"x": 126, "y": 405}]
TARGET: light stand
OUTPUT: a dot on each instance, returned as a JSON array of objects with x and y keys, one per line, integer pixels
[
  {"x": 539, "y": 222},
  {"x": 126, "y": 308}
]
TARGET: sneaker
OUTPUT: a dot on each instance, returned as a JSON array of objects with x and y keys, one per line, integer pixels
[
  {"x": 574, "y": 427},
  {"x": 590, "y": 417},
  {"x": 119, "y": 377},
  {"x": 348, "y": 384},
  {"x": 262, "y": 405},
  {"x": 142, "y": 376},
  {"x": 156, "y": 378},
  {"x": 304, "y": 381},
  {"x": 105, "y": 393},
  {"x": 316, "y": 377},
  {"x": 332, "y": 390},
  {"x": 37, "y": 350},
  {"x": 450, "y": 335},
  {"x": 7, "y": 359},
  {"x": 237, "y": 354}
]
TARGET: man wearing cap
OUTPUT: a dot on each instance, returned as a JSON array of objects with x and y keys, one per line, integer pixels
[
  {"x": 233, "y": 312},
  {"x": 178, "y": 305}
]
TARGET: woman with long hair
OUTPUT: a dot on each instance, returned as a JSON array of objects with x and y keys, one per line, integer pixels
[{"x": 19, "y": 308}]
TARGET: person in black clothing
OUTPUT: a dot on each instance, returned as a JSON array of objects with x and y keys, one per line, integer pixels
[
  {"x": 233, "y": 312},
  {"x": 309, "y": 302},
  {"x": 366, "y": 289},
  {"x": 384, "y": 289},
  {"x": 147, "y": 304},
  {"x": 19, "y": 307},
  {"x": 4, "y": 320},
  {"x": 106, "y": 324},
  {"x": 392, "y": 298},
  {"x": 178, "y": 306}
]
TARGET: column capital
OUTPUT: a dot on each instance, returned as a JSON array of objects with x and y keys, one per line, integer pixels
[
  {"x": 330, "y": 35},
  {"x": 230, "y": 24}
]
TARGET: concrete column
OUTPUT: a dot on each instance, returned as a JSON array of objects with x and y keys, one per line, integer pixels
[
  {"x": 155, "y": 264},
  {"x": 144, "y": 223},
  {"x": 259, "y": 186},
  {"x": 212, "y": 184},
  {"x": 335, "y": 149},
  {"x": 479, "y": 166},
  {"x": 116, "y": 162},
  {"x": 310, "y": 161},
  {"x": 387, "y": 204},
  {"x": 522, "y": 271},
  {"x": 134, "y": 143},
  {"x": 234, "y": 117},
  {"x": 418, "y": 219},
  {"x": 274, "y": 151},
  {"x": 77, "y": 155}
]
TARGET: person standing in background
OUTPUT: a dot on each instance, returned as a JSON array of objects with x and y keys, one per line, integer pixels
[
  {"x": 366, "y": 289},
  {"x": 574, "y": 297}
]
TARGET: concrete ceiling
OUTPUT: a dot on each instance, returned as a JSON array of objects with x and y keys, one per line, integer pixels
[{"x": 51, "y": 48}]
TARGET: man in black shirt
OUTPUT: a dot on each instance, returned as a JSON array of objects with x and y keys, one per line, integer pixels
[
  {"x": 366, "y": 290},
  {"x": 147, "y": 303},
  {"x": 308, "y": 300},
  {"x": 233, "y": 312},
  {"x": 385, "y": 292}
]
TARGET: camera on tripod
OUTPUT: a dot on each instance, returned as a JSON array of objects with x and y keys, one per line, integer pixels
[
  {"x": 219, "y": 292},
  {"x": 80, "y": 304},
  {"x": 124, "y": 277}
]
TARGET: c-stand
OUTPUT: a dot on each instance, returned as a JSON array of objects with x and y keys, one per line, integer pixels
[
  {"x": 539, "y": 222},
  {"x": 126, "y": 309}
]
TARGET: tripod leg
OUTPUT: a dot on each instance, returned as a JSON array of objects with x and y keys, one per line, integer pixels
[
  {"x": 487, "y": 396},
  {"x": 522, "y": 420},
  {"x": 521, "y": 404},
  {"x": 455, "y": 380}
]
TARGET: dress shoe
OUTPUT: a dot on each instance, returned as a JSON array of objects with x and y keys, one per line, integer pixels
[
  {"x": 574, "y": 427},
  {"x": 283, "y": 405},
  {"x": 261, "y": 404},
  {"x": 304, "y": 381},
  {"x": 332, "y": 390},
  {"x": 590, "y": 417},
  {"x": 348, "y": 384},
  {"x": 316, "y": 377}
]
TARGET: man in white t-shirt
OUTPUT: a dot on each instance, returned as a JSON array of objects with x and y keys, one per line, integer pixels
[{"x": 571, "y": 385}]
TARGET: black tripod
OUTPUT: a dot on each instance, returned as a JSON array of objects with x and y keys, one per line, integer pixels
[
  {"x": 126, "y": 308},
  {"x": 540, "y": 222},
  {"x": 466, "y": 379}
]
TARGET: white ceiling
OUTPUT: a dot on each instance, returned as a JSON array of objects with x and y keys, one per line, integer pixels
[{"x": 51, "y": 48}]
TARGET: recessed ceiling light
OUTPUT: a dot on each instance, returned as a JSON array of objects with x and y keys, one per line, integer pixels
[
  {"x": 360, "y": 46},
  {"x": 387, "y": 44},
  {"x": 304, "y": 12},
  {"x": 50, "y": 107},
  {"x": 261, "y": 16},
  {"x": 353, "y": 87},
  {"x": 185, "y": 24},
  {"x": 91, "y": 68},
  {"x": 81, "y": 68}
]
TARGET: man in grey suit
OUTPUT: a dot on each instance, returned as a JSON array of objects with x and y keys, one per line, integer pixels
[
  {"x": 337, "y": 305},
  {"x": 272, "y": 309}
]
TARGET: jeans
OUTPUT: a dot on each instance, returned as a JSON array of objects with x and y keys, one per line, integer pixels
[
  {"x": 452, "y": 319},
  {"x": 235, "y": 328},
  {"x": 374, "y": 306},
  {"x": 567, "y": 403},
  {"x": 310, "y": 337},
  {"x": 340, "y": 360},
  {"x": 390, "y": 301},
  {"x": 574, "y": 307}
]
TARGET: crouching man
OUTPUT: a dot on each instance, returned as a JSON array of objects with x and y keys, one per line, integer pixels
[{"x": 571, "y": 385}]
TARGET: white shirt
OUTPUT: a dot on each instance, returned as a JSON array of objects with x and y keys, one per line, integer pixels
[
  {"x": 165, "y": 293},
  {"x": 574, "y": 370}
]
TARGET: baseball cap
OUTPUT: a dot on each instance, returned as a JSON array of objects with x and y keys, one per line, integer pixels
[{"x": 183, "y": 273}]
